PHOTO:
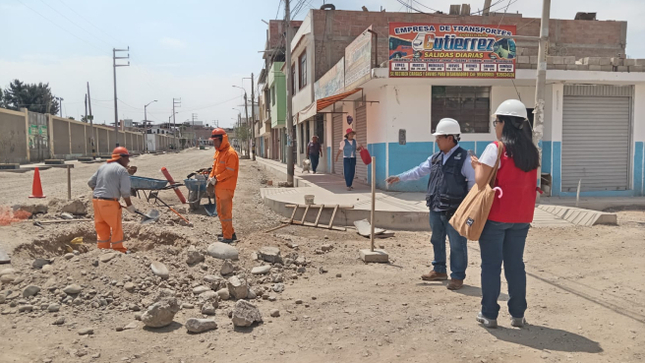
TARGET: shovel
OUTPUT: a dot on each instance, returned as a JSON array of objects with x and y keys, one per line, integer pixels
[
  {"x": 148, "y": 218},
  {"x": 211, "y": 208}
]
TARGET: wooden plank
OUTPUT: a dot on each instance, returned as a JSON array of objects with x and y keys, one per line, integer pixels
[
  {"x": 276, "y": 228},
  {"x": 295, "y": 208},
  {"x": 319, "y": 214},
  {"x": 333, "y": 215},
  {"x": 304, "y": 215}
]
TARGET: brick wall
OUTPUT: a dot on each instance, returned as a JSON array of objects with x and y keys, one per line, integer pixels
[{"x": 334, "y": 30}]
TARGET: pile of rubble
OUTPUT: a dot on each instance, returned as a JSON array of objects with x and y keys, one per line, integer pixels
[{"x": 152, "y": 285}]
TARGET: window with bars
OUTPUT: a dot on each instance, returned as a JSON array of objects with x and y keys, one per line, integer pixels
[
  {"x": 302, "y": 61},
  {"x": 468, "y": 105},
  {"x": 293, "y": 79}
]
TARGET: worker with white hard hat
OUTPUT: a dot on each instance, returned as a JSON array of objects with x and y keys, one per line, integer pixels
[
  {"x": 504, "y": 236},
  {"x": 451, "y": 177}
]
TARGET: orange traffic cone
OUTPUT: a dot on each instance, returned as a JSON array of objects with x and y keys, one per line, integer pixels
[{"x": 36, "y": 188}]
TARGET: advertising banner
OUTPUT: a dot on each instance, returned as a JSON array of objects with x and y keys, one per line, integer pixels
[
  {"x": 358, "y": 59},
  {"x": 451, "y": 51},
  {"x": 332, "y": 83}
]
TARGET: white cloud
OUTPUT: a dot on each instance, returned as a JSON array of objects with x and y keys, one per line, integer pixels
[{"x": 172, "y": 43}]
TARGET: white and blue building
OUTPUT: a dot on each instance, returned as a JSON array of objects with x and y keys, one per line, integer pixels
[{"x": 594, "y": 128}]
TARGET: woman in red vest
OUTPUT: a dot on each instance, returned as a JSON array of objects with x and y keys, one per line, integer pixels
[{"x": 505, "y": 232}]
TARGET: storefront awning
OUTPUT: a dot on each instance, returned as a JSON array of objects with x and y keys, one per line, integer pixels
[{"x": 321, "y": 104}]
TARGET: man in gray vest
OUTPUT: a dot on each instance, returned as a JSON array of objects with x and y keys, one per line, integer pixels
[{"x": 451, "y": 177}]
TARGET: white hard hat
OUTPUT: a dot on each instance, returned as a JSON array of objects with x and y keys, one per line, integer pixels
[
  {"x": 447, "y": 126},
  {"x": 513, "y": 108}
]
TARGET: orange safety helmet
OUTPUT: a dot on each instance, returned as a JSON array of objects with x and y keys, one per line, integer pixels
[
  {"x": 121, "y": 151},
  {"x": 218, "y": 133}
]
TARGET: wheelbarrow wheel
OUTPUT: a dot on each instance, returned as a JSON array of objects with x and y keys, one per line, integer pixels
[{"x": 194, "y": 200}]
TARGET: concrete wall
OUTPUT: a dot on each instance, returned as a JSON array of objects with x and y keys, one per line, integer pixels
[
  {"x": 103, "y": 147},
  {"x": 79, "y": 141},
  {"x": 61, "y": 138},
  {"x": 13, "y": 138}
]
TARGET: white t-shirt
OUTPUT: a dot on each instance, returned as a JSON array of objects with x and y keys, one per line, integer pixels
[{"x": 489, "y": 157}]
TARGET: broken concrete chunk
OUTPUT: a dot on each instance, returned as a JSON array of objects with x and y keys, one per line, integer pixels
[{"x": 245, "y": 314}]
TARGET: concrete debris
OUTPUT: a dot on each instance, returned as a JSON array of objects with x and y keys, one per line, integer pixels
[
  {"x": 131, "y": 326},
  {"x": 227, "y": 268},
  {"x": 326, "y": 247},
  {"x": 279, "y": 287},
  {"x": 68, "y": 256},
  {"x": 47, "y": 269},
  {"x": 73, "y": 289},
  {"x": 160, "y": 269},
  {"x": 270, "y": 254},
  {"x": 275, "y": 313},
  {"x": 200, "y": 289},
  {"x": 245, "y": 314},
  {"x": 7, "y": 271},
  {"x": 208, "y": 309},
  {"x": 39, "y": 263},
  {"x": 223, "y": 251},
  {"x": 238, "y": 288},
  {"x": 224, "y": 294},
  {"x": 30, "y": 291},
  {"x": 86, "y": 331},
  {"x": 161, "y": 313},
  {"x": 75, "y": 207},
  {"x": 129, "y": 286},
  {"x": 193, "y": 256},
  {"x": 261, "y": 270},
  {"x": 197, "y": 326},
  {"x": 33, "y": 208},
  {"x": 107, "y": 257},
  {"x": 187, "y": 306},
  {"x": 7, "y": 279},
  {"x": 4, "y": 257},
  {"x": 210, "y": 295},
  {"x": 66, "y": 216},
  {"x": 53, "y": 308},
  {"x": 25, "y": 308}
]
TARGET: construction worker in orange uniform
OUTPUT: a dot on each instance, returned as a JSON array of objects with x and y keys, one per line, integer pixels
[
  {"x": 224, "y": 177},
  {"x": 110, "y": 183}
]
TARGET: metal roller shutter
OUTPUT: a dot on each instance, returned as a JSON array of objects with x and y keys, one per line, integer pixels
[
  {"x": 360, "y": 127},
  {"x": 337, "y": 133},
  {"x": 595, "y": 142}
]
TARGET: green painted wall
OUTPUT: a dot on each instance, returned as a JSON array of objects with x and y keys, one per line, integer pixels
[{"x": 278, "y": 84}]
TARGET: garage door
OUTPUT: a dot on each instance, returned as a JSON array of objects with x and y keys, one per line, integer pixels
[
  {"x": 337, "y": 133},
  {"x": 361, "y": 139},
  {"x": 596, "y": 138}
]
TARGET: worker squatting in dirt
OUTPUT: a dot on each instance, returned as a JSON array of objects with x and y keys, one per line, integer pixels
[{"x": 223, "y": 178}]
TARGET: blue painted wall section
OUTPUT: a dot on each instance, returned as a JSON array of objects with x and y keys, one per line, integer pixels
[
  {"x": 469, "y": 145},
  {"x": 406, "y": 157},
  {"x": 379, "y": 152},
  {"x": 546, "y": 156},
  {"x": 638, "y": 168}
]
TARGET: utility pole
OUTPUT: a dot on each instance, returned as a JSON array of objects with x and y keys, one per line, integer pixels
[
  {"x": 175, "y": 103},
  {"x": 290, "y": 166},
  {"x": 114, "y": 66},
  {"x": 246, "y": 112},
  {"x": 60, "y": 105},
  {"x": 89, "y": 103},
  {"x": 252, "y": 117},
  {"x": 194, "y": 130},
  {"x": 486, "y": 10},
  {"x": 538, "y": 111}
]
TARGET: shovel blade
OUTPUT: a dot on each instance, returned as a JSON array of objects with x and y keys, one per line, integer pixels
[
  {"x": 150, "y": 217},
  {"x": 211, "y": 209}
]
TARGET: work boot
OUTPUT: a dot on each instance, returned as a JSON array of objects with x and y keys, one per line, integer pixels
[
  {"x": 225, "y": 240},
  {"x": 488, "y": 323},
  {"x": 434, "y": 276},
  {"x": 455, "y": 284}
]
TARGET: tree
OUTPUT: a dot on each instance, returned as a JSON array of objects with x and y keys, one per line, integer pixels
[{"x": 34, "y": 97}]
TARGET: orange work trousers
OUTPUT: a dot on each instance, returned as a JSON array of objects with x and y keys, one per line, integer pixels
[
  {"x": 107, "y": 221},
  {"x": 224, "y": 199}
]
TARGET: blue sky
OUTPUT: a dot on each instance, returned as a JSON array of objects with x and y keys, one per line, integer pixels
[{"x": 191, "y": 49}]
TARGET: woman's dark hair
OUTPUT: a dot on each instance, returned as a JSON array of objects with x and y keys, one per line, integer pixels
[{"x": 518, "y": 143}]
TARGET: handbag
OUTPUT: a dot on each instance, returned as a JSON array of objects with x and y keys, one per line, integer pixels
[{"x": 471, "y": 216}]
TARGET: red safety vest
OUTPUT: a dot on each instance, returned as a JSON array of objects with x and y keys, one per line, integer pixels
[{"x": 517, "y": 204}]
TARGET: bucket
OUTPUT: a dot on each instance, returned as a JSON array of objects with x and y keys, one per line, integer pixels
[{"x": 309, "y": 199}]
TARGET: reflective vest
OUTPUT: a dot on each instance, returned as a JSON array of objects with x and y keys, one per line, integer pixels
[
  {"x": 517, "y": 204},
  {"x": 447, "y": 187}
]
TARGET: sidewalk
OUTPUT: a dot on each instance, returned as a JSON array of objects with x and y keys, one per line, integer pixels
[{"x": 394, "y": 210}]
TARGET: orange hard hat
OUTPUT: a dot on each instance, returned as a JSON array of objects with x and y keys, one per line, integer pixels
[
  {"x": 121, "y": 151},
  {"x": 218, "y": 132}
]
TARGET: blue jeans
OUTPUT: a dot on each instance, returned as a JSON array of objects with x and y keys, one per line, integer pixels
[
  {"x": 315, "y": 158},
  {"x": 458, "y": 247},
  {"x": 503, "y": 242},
  {"x": 349, "y": 170}
]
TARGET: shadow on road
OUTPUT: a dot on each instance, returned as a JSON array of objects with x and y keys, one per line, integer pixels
[
  {"x": 541, "y": 337},
  {"x": 166, "y": 329}
]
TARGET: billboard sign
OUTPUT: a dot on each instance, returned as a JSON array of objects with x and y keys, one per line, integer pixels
[
  {"x": 451, "y": 51},
  {"x": 358, "y": 59},
  {"x": 332, "y": 83}
]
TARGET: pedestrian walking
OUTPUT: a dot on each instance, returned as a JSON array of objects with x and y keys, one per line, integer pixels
[
  {"x": 314, "y": 150},
  {"x": 109, "y": 184},
  {"x": 504, "y": 235},
  {"x": 348, "y": 149},
  {"x": 223, "y": 177},
  {"x": 451, "y": 177}
]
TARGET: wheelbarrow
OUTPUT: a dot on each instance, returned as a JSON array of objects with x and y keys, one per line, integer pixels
[{"x": 197, "y": 188}]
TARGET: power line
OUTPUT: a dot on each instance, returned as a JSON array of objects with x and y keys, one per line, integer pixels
[
  {"x": 278, "y": 11},
  {"x": 89, "y": 22},
  {"x": 58, "y": 26},
  {"x": 487, "y": 8},
  {"x": 427, "y": 7},
  {"x": 73, "y": 22}
]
